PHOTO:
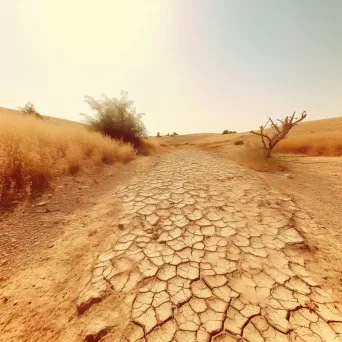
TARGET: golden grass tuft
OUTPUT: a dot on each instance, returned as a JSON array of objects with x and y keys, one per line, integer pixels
[
  {"x": 253, "y": 157},
  {"x": 239, "y": 142},
  {"x": 147, "y": 146},
  {"x": 32, "y": 152}
]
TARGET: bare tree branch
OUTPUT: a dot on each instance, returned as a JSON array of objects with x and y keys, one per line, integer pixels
[
  {"x": 274, "y": 125},
  {"x": 280, "y": 131}
]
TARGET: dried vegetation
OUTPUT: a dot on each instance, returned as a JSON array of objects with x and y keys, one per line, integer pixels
[
  {"x": 278, "y": 132},
  {"x": 33, "y": 152}
]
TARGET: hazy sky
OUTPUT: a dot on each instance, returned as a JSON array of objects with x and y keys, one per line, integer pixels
[{"x": 190, "y": 65}]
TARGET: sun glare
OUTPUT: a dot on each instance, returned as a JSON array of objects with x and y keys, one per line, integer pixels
[{"x": 85, "y": 26}]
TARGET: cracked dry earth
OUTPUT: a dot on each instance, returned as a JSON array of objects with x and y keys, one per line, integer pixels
[{"x": 207, "y": 252}]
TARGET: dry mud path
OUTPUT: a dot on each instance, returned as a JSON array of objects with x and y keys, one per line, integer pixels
[
  {"x": 209, "y": 253},
  {"x": 205, "y": 252}
]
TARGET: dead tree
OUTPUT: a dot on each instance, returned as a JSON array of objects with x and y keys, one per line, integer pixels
[{"x": 280, "y": 131}]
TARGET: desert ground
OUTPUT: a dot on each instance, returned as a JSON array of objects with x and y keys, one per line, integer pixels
[{"x": 196, "y": 242}]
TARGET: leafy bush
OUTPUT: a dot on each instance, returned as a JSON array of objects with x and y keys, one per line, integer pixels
[
  {"x": 29, "y": 109},
  {"x": 175, "y": 133},
  {"x": 226, "y": 131},
  {"x": 116, "y": 118}
]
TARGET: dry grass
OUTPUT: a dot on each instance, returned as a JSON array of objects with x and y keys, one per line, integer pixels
[
  {"x": 254, "y": 158},
  {"x": 313, "y": 138},
  {"x": 238, "y": 142},
  {"x": 313, "y": 144},
  {"x": 147, "y": 147},
  {"x": 32, "y": 152}
]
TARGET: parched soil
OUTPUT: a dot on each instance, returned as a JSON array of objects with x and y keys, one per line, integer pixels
[
  {"x": 188, "y": 247},
  {"x": 316, "y": 184}
]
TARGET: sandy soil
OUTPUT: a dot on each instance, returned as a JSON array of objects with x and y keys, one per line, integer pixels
[
  {"x": 316, "y": 184},
  {"x": 183, "y": 247},
  {"x": 45, "y": 251}
]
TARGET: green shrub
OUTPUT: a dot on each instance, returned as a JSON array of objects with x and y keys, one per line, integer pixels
[
  {"x": 175, "y": 133},
  {"x": 116, "y": 118},
  {"x": 226, "y": 131},
  {"x": 29, "y": 109}
]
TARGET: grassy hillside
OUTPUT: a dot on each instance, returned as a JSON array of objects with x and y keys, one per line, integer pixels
[
  {"x": 314, "y": 138},
  {"x": 34, "y": 151}
]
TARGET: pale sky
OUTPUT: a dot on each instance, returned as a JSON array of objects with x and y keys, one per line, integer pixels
[{"x": 192, "y": 66}]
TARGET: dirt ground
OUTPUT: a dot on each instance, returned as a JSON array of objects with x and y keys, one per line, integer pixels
[
  {"x": 243, "y": 240},
  {"x": 45, "y": 250},
  {"x": 316, "y": 185}
]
